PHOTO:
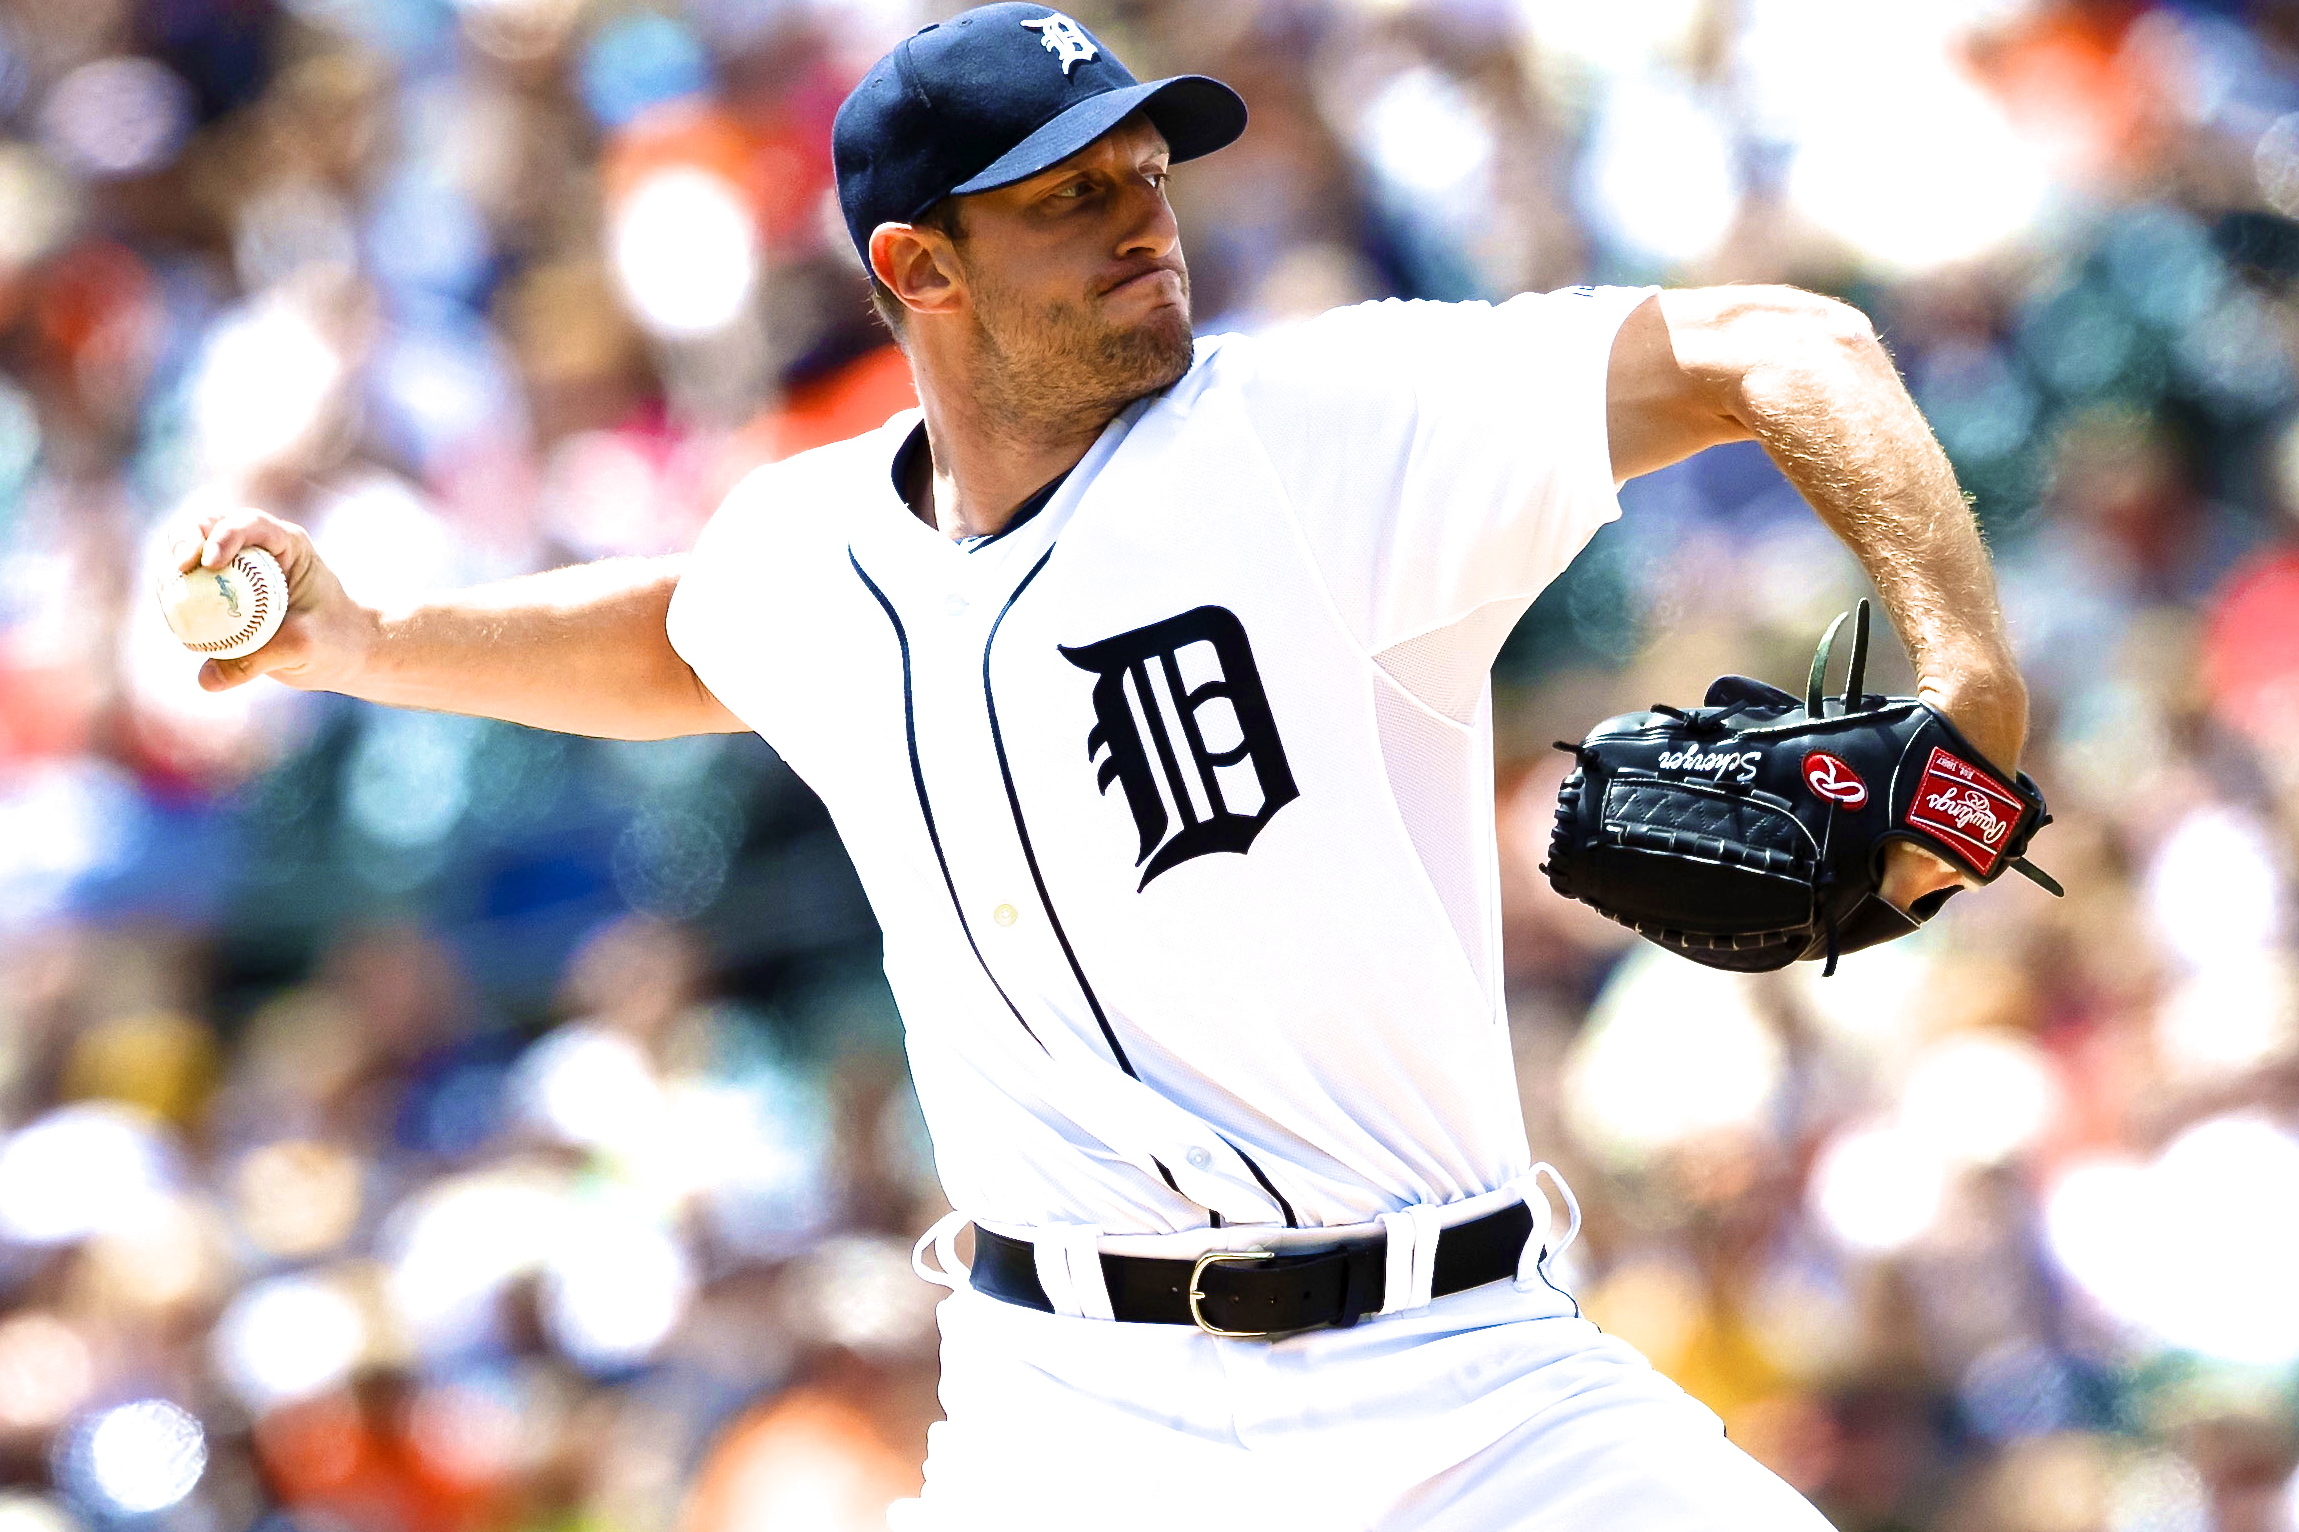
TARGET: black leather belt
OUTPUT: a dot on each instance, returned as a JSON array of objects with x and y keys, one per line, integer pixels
[{"x": 1263, "y": 1294}]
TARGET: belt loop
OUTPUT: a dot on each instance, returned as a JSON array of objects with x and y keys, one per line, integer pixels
[
  {"x": 1069, "y": 1262},
  {"x": 1533, "y": 1262},
  {"x": 943, "y": 1238},
  {"x": 1411, "y": 1241}
]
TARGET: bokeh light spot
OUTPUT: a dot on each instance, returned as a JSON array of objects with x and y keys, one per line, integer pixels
[
  {"x": 1879, "y": 1189},
  {"x": 1672, "y": 1051},
  {"x": 685, "y": 249},
  {"x": 45, "y": 1370},
  {"x": 288, "y": 1338},
  {"x": 81, "y": 1170},
  {"x": 137, "y": 1458},
  {"x": 116, "y": 116}
]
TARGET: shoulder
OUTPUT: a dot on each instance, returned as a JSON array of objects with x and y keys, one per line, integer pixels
[
  {"x": 1425, "y": 325},
  {"x": 777, "y": 525},
  {"x": 1397, "y": 346},
  {"x": 808, "y": 498}
]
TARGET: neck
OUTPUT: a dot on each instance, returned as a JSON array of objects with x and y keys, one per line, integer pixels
[{"x": 991, "y": 452}]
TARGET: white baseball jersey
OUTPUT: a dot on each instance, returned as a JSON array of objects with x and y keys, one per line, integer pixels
[{"x": 1174, "y": 801}]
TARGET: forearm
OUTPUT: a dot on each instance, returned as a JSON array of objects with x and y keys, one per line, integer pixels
[
  {"x": 1810, "y": 381},
  {"x": 583, "y": 650},
  {"x": 1846, "y": 434},
  {"x": 580, "y": 650}
]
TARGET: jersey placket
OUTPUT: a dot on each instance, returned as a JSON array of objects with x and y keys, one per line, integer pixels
[
  {"x": 1208, "y": 1165},
  {"x": 949, "y": 604},
  {"x": 986, "y": 865}
]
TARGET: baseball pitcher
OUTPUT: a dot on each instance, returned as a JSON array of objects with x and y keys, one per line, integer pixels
[{"x": 1145, "y": 676}]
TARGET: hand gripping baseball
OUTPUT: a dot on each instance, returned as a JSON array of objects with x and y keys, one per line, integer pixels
[{"x": 324, "y": 636}]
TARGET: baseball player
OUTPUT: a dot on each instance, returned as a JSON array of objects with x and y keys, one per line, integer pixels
[{"x": 1146, "y": 680}]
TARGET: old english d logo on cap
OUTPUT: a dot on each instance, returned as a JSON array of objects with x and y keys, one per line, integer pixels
[{"x": 1064, "y": 39}]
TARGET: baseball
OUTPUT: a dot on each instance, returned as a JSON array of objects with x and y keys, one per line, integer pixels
[{"x": 229, "y": 612}]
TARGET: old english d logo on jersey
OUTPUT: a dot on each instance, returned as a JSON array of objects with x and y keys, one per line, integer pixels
[
  {"x": 1064, "y": 39},
  {"x": 1161, "y": 695}
]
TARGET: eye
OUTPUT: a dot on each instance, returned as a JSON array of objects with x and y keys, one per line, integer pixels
[{"x": 1071, "y": 191}]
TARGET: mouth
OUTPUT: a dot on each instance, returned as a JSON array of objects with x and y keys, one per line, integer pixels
[{"x": 1138, "y": 281}]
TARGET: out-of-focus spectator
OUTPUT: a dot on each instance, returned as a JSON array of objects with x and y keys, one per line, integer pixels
[{"x": 413, "y": 1124}]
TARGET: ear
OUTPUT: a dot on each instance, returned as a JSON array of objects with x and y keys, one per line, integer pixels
[{"x": 919, "y": 266}]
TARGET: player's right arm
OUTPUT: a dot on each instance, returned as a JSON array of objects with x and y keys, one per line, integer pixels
[{"x": 581, "y": 650}]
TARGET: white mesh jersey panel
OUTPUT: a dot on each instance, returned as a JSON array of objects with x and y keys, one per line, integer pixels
[
  {"x": 1434, "y": 713},
  {"x": 1449, "y": 668}
]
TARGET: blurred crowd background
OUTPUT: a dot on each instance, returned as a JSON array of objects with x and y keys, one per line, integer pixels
[{"x": 414, "y": 1124}]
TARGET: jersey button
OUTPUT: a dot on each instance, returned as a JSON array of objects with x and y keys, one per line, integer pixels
[
  {"x": 954, "y": 605},
  {"x": 1200, "y": 1158},
  {"x": 1005, "y": 914}
]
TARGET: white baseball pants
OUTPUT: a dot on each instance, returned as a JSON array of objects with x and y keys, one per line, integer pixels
[{"x": 1494, "y": 1408}]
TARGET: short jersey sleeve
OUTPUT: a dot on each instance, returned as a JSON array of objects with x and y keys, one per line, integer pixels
[
  {"x": 708, "y": 609},
  {"x": 793, "y": 514},
  {"x": 1441, "y": 457}
]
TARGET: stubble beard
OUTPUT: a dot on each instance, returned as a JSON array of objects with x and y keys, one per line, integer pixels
[{"x": 1063, "y": 367}]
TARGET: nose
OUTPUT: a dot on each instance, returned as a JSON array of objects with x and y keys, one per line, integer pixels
[{"x": 1150, "y": 228}]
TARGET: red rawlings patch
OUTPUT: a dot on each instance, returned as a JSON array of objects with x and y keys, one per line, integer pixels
[
  {"x": 1966, "y": 809},
  {"x": 1831, "y": 778}
]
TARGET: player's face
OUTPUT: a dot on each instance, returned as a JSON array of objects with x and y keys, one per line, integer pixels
[{"x": 1075, "y": 278}]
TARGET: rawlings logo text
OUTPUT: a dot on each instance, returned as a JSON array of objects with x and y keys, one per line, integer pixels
[
  {"x": 1970, "y": 810},
  {"x": 1964, "y": 809}
]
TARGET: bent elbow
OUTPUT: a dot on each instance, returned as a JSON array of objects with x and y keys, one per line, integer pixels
[
  {"x": 1789, "y": 347},
  {"x": 1846, "y": 331},
  {"x": 1796, "y": 322},
  {"x": 1727, "y": 334}
]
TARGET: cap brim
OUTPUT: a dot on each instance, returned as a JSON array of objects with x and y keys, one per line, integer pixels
[{"x": 1197, "y": 115}]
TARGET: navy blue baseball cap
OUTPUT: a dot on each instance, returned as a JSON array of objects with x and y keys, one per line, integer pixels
[{"x": 993, "y": 96}]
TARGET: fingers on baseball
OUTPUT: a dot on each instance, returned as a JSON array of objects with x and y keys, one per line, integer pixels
[
  {"x": 188, "y": 541},
  {"x": 224, "y": 536},
  {"x": 285, "y": 649}
]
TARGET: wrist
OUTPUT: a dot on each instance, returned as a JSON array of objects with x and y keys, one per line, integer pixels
[
  {"x": 1988, "y": 702},
  {"x": 363, "y": 647}
]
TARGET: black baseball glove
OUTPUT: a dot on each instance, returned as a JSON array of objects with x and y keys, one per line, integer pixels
[{"x": 1749, "y": 832}]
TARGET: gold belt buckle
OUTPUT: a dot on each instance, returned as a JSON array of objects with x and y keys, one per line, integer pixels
[{"x": 1197, "y": 1292}]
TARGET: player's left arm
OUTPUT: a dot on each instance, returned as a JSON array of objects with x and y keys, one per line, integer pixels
[{"x": 1806, "y": 376}]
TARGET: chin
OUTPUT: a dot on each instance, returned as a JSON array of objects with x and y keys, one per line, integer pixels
[
  {"x": 1161, "y": 345},
  {"x": 1083, "y": 359}
]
